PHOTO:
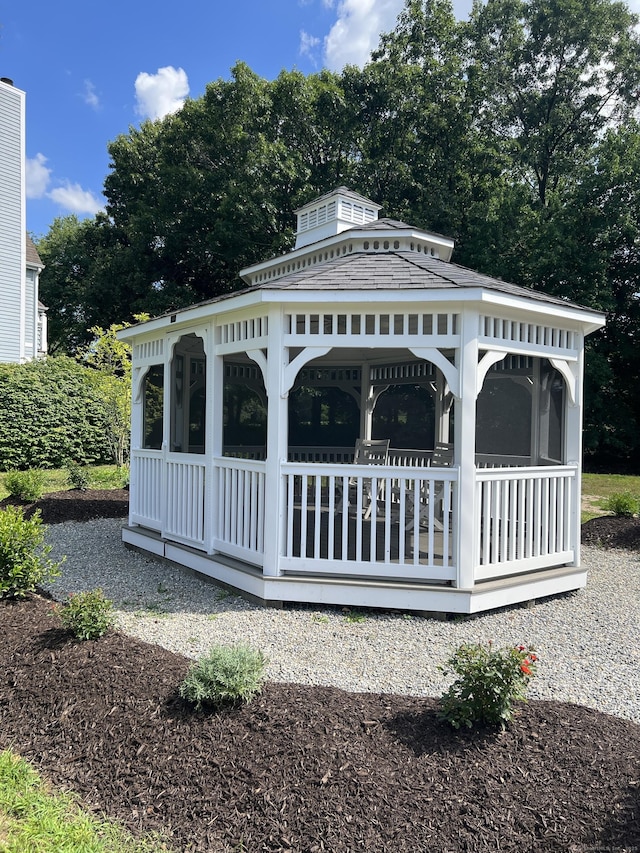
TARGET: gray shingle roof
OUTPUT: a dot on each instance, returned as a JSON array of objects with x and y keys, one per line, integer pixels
[
  {"x": 33, "y": 258},
  {"x": 396, "y": 270}
]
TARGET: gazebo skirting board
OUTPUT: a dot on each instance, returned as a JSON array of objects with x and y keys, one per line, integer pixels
[{"x": 352, "y": 535}]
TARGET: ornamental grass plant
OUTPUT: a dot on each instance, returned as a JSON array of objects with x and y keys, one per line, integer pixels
[{"x": 489, "y": 682}]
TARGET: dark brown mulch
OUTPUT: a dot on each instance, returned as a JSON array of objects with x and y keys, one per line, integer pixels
[
  {"x": 302, "y": 769},
  {"x": 76, "y": 505},
  {"x": 609, "y": 531},
  {"x": 305, "y": 768}
]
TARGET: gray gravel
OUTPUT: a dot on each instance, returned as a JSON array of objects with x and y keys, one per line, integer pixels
[{"x": 587, "y": 641}]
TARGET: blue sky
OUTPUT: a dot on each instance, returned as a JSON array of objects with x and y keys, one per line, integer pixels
[{"x": 93, "y": 70}]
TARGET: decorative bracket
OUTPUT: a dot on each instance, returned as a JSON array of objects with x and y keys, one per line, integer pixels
[
  {"x": 260, "y": 359},
  {"x": 450, "y": 371},
  {"x": 569, "y": 371},
  {"x": 292, "y": 369},
  {"x": 485, "y": 364}
]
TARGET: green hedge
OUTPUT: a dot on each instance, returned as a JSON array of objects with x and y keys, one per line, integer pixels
[{"x": 51, "y": 412}]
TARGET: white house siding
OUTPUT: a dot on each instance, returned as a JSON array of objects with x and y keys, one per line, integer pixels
[
  {"x": 31, "y": 315},
  {"x": 12, "y": 224}
]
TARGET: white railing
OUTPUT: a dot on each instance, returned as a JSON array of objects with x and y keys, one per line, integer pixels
[
  {"x": 410, "y": 458},
  {"x": 524, "y": 519},
  {"x": 299, "y": 453},
  {"x": 382, "y": 522},
  {"x": 185, "y": 499},
  {"x": 245, "y": 451},
  {"x": 313, "y": 453},
  {"x": 495, "y": 460},
  {"x": 240, "y": 503},
  {"x": 145, "y": 490}
]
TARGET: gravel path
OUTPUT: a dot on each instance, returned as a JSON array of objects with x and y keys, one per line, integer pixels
[{"x": 587, "y": 641}]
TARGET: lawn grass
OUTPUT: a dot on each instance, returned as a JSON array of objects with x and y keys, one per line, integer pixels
[
  {"x": 100, "y": 477},
  {"x": 35, "y": 820},
  {"x": 596, "y": 488}
]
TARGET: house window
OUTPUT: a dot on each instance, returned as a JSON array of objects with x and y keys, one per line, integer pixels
[{"x": 153, "y": 408}]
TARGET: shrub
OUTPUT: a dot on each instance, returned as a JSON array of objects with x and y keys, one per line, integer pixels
[
  {"x": 26, "y": 485},
  {"x": 226, "y": 674},
  {"x": 622, "y": 504},
  {"x": 51, "y": 411},
  {"x": 24, "y": 561},
  {"x": 77, "y": 475},
  {"x": 88, "y": 615},
  {"x": 489, "y": 682}
]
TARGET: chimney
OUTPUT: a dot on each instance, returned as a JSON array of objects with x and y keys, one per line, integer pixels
[{"x": 6, "y": 80}]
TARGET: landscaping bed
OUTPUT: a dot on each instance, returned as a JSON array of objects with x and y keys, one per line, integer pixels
[
  {"x": 301, "y": 768},
  {"x": 305, "y": 768},
  {"x": 76, "y": 505}
]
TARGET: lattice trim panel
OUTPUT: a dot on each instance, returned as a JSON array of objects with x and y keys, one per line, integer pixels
[
  {"x": 149, "y": 350},
  {"x": 501, "y": 330},
  {"x": 365, "y": 325},
  {"x": 242, "y": 330}
]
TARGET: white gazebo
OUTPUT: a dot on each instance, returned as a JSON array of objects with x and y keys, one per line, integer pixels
[{"x": 247, "y": 411}]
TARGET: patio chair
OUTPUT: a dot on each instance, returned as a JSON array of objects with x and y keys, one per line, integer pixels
[
  {"x": 368, "y": 452},
  {"x": 442, "y": 457}
]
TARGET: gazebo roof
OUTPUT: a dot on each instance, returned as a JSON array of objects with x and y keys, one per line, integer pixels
[
  {"x": 377, "y": 255},
  {"x": 397, "y": 270}
]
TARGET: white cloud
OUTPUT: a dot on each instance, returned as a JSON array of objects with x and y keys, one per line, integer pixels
[
  {"x": 76, "y": 200},
  {"x": 90, "y": 96},
  {"x": 308, "y": 44},
  {"x": 37, "y": 176},
  {"x": 162, "y": 93},
  {"x": 357, "y": 31}
]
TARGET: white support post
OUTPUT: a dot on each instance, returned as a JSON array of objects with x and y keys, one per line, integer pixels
[
  {"x": 213, "y": 409},
  {"x": 136, "y": 438},
  {"x": 216, "y": 392},
  {"x": 442, "y": 411},
  {"x": 573, "y": 447},
  {"x": 277, "y": 442},
  {"x": 465, "y": 446},
  {"x": 366, "y": 402}
]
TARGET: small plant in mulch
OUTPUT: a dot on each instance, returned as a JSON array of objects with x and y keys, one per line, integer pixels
[
  {"x": 622, "y": 504},
  {"x": 223, "y": 676},
  {"x": 27, "y": 486},
  {"x": 489, "y": 682},
  {"x": 77, "y": 475},
  {"x": 24, "y": 561},
  {"x": 88, "y": 615}
]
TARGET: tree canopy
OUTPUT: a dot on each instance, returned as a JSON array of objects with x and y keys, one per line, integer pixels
[{"x": 515, "y": 132}]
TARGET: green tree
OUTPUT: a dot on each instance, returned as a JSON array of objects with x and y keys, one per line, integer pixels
[
  {"x": 89, "y": 279},
  {"x": 110, "y": 360}
]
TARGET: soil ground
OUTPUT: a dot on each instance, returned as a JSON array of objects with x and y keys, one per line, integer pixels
[{"x": 301, "y": 768}]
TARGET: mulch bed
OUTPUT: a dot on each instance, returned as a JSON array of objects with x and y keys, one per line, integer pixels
[
  {"x": 608, "y": 531},
  {"x": 305, "y": 769},
  {"x": 76, "y": 505}
]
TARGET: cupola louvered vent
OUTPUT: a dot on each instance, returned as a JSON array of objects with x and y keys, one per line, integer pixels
[{"x": 332, "y": 213}]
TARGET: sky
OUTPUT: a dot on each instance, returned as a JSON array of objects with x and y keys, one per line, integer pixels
[{"x": 91, "y": 71}]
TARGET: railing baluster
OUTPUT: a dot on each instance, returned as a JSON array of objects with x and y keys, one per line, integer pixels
[
  {"x": 331, "y": 527},
  {"x": 317, "y": 518}
]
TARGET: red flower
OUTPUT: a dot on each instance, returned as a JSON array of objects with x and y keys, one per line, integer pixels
[{"x": 524, "y": 667}]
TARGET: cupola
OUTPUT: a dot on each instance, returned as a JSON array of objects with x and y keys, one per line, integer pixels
[{"x": 332, "y": 213}]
